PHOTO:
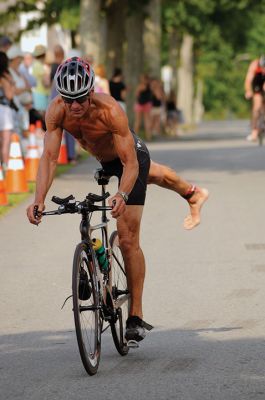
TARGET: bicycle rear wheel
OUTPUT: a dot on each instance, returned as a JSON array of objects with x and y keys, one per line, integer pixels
[
  {"x": 120, "y": 294},
  {"x": 86, "y": 308}
]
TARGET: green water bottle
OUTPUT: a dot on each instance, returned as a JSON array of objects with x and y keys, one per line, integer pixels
[{"x": 101, "y": 254}]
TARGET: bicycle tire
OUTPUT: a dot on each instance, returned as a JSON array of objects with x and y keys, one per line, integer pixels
[
  {"x": 120, "y": 294},
  {"x": 87, "y": 321}
]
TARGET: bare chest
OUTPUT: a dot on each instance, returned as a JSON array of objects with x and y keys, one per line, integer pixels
[{"x": 94, "y": 137}]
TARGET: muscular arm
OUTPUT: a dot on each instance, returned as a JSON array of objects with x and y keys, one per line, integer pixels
[
  {"x": 48, "y": 162},
  {"x": 52, "y": 142},
  {"x": 125, "y": 148}
]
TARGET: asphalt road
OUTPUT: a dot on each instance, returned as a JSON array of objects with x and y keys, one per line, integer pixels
[{"x": 204, "y": 289}]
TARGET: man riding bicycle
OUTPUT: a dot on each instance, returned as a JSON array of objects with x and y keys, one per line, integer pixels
[
  {"x": 254, "y": 88},
  {"x": 101, "y": 127}
]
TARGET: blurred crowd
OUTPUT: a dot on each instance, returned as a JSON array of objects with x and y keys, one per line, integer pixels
[
  {"x": 27, "y": 87},
  {"x": 155, "y": 113}
]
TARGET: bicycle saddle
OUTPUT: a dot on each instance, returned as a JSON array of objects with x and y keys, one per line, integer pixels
[{"x": 101, "y": 177}]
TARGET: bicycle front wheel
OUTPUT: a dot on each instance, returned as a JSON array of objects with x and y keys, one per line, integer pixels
[
  {"x": 86, "y": 308},
  {"x": 120, "y": 295}
]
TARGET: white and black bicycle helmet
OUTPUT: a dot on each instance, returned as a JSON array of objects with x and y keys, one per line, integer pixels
[{"x": 74, "y": 78}]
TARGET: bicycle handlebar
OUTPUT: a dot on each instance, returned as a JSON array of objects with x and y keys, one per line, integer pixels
[{"x": 69, "y": 205}]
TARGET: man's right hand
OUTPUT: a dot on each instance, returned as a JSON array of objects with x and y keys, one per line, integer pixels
[
  {"x": 34, "y": 213},
  {"x": 248, "y": 94}
]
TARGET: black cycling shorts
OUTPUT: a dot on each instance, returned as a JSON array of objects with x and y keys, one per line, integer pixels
[
  {"x": 115, "y": 168},
  {"x": 258, "y": 82}
]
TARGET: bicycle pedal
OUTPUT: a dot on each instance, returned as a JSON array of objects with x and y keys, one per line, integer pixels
[{"x": 132, "y": 344}]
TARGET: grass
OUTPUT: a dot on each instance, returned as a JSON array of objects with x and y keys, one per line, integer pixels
[{"x": 15, "y": 199}]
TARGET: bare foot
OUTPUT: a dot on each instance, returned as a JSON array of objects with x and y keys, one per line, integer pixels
[{"x": 195, "y": 203}]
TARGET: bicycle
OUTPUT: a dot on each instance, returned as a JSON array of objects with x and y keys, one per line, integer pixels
[{"x": 98, "y": 295}]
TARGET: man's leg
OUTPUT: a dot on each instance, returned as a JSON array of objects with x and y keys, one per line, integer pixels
[
  {"x": 167, "y": 178},
  {"x": 256, "y": 107},
  {"x": 128, "y": 226}
]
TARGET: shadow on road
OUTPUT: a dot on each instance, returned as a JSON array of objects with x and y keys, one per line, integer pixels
[{"x": 46, "y": 365}]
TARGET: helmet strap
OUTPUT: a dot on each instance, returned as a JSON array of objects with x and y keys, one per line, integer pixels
[{"x": 90, "y": 97}]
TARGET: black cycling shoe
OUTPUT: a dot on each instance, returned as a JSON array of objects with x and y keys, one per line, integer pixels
[
  {"x": 84, "y": 289},
  {"x": 136, "y": 329}
]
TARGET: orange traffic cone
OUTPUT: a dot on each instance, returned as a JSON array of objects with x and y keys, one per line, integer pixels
[
  {"x": 39, "y": 137},
  {"x": 15, "y": 174},
  {"x": 63, "y": 157},
  {"x": 32, "y": 157},
  {"x": 3, "y": 195}
]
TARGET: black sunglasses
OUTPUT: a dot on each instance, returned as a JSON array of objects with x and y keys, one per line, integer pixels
[{"x": 79, "y": 100}]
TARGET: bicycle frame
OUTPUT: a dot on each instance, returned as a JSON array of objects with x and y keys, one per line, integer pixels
[
  {"x": 99, "y": 294},
  {"x": 104, "y": 279}
]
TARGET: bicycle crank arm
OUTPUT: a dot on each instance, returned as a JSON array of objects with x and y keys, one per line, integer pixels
[{"x": 121, "y": 300}]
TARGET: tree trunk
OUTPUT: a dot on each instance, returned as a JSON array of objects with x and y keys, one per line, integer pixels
[
  {"x": 115, "y": 36},
  {"x": 90, "y": 29},
  {"x": 198, "y": 102},
  {"x": 134, "y": 56},
  {"x": 152, "y": 38},
  {"x": 103, "y": 40},
  {"x": 173, "y": 56},
  {"x": 185, "y": 79}
]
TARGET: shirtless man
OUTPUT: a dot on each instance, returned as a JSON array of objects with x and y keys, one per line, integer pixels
[
  {"x": 101, "y": 127},
  {"x": 254, "y": 88}
]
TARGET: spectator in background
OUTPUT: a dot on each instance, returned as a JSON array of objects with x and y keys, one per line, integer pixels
[
  {"x": 101, "y": 82},
  {"x": 118, "y": 88},
  {"x": 25, "y": 69},
  {"x": 7, "y": 92},
  {"x": 5, "y": 43},
  {"x": 26, "y": 102},
  {"x": 31, "y": 115},
  {"x": 15, "y": 57},
  {"x": 172, "y": 114},
  {"x": 143, "y": 106},
  {"x": 58, "y": 52},
  {"x": 41, "y": 72},
  {"x": 158, "y": 99}
]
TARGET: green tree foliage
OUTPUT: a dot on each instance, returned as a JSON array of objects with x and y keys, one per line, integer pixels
[
  {"x": 65, "y": 12},
  {"x": 226, "y": 32}
]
